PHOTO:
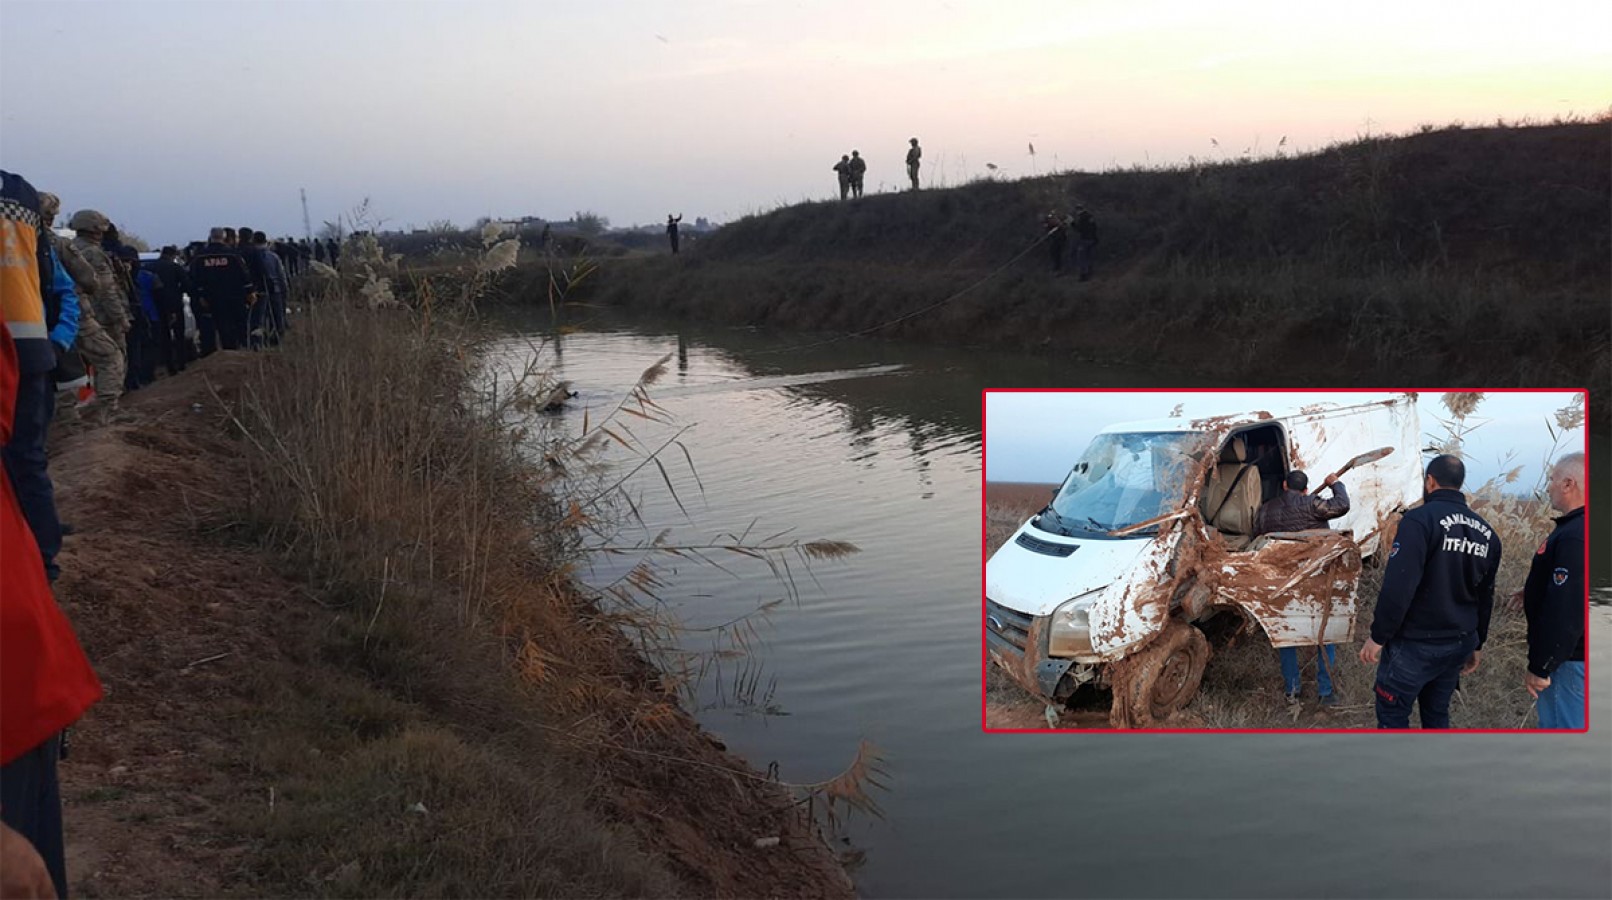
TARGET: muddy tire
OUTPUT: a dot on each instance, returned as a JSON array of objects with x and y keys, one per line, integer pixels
[{"x": 1156, "y": 683}]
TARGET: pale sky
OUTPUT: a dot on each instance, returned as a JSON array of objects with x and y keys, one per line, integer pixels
[
  {"x": 171, "y": 116},
  {"x": 1035, "y": 436}
]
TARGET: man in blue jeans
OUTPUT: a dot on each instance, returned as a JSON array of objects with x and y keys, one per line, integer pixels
[
  {"x": 1433, "y": 612},
  {"x": 1553, "y": 600},
  {"x": 1296, "y": 509}
]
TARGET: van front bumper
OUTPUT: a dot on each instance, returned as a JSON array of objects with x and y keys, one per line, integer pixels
[{"x": 1018, "y": 643}]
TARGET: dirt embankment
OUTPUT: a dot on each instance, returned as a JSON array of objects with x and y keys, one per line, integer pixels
[
  {"x": 1436, "y": 258},
  {"x": 254, "y": 742}
]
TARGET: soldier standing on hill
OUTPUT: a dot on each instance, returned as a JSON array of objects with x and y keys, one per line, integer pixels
[
  {"x": 671, "y": 230},
  {"x": 914, "y": 154},
  {"x": 843, "y": 169},
  {"x": 1432, "y": 615},
  {"x": 857, "y": 167}
]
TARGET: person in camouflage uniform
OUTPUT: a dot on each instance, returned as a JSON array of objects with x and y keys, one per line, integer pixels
[
  {"x": 93, "y": 343},
  {"x": 108, "y": 302},
  {"x": 858, "y": 168}
]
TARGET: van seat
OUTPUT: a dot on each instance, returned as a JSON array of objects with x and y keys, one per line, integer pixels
[{"x": 1232, "y": 496}]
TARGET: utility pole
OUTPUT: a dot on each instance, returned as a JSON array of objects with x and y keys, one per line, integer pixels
[{"x": 307, "y": 227}]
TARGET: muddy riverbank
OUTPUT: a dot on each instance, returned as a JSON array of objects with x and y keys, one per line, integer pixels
[{"x": 267, "y": 731}]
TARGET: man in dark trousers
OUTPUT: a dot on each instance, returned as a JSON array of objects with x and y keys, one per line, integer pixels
[
  {"x": 171, "y": 306},
  {"x": 35, "y": 295},
  {"x": 224, "y": 289},
  {"x": 858, "y": 167},
  {"x": 671, "y": 230},
  {"x": 1553, "y": 600},
  {"x": 45, "y": 680},
  {"x": 1296, "y": 509},
  {"x": 1085, "y": 242},
  {"x": 915, "y": 155},
  {"x": 1433, "y": 612},
  {"x": 843, "y": 170},
  {"x": 1057, "y": 229}
]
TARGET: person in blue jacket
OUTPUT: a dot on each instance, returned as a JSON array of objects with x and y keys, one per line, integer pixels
[
  {"x": 144, "y": 318},
  {"x": 40, "y": 306},
  {"x": 1432, "y": 614}
]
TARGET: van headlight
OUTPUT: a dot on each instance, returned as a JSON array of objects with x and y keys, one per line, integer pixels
[{"x": 1070, "y": 633}]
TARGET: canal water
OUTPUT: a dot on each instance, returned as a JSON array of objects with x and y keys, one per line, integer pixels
[{"x": 878, "y": 444}]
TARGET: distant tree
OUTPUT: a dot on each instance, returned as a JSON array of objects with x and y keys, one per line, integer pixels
[
  {"x": 330, "y": 231},
  {"x": 441, "y": 226},
  {"x": 134, "y": 240},
  {"x": 590, "y": 224}
]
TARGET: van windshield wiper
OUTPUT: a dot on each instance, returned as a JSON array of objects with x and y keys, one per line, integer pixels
[
  {"x": 1057, "y": 519},
  {"x": 1096, "y": 524}
]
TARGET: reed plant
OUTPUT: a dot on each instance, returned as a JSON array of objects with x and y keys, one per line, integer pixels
[{"x": 420, "y": 489}]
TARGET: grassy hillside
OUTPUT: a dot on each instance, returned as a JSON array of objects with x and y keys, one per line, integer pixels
[{"x": 1455, "y": 256}]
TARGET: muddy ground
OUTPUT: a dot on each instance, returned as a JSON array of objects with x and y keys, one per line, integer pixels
[
  {"x": 240, "y": 751},
  {"x": 1242, "y": 686}
]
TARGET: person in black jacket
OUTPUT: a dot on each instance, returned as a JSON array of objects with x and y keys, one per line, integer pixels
[
  {"x": 1085, "y": 242},
  {"x": 1554, "y": 601},
  {"x": 1433, "y": 612},
  {"x": 224, "y": 289},
  {"x": 1296, "y": 509},
  {"x": 176, "y": 350}
]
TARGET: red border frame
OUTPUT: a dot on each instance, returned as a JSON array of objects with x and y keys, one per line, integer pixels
[{"x": 985, "y": 660}]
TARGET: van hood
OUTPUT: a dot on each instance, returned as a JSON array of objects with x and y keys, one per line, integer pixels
[{"x": 1034, "y": 582}]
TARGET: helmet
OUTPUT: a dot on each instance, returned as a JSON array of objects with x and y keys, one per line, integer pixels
[{"x": 89, "y": 220}]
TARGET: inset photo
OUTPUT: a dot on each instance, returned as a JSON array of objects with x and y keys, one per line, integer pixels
[{"x": 1284, "y": 560}]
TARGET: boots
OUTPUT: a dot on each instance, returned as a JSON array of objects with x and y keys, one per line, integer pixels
[{"x": 111, "y": 413}]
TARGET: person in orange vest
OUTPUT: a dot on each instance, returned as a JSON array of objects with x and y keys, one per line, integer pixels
[{"x": 35, "y": 298}]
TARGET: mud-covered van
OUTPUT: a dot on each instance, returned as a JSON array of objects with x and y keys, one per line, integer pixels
[{"x": 1148, "y": 547}]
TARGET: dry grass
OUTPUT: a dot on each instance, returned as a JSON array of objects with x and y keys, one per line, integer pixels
[
  {"x": 415, "y": 513},
  {"x": 462, "y": 667}
]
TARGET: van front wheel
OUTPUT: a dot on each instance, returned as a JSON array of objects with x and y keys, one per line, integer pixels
[{"x": 1158, "y": 682}]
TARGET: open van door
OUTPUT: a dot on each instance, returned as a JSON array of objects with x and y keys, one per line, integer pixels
[{"x": 1301, "y": 586}]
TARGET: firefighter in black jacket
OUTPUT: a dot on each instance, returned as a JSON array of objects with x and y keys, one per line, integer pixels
[
  {"x": 1432, "y": 616},
  {"x": 1553, "y": 600},
  {"x": 224, "y": 289}
]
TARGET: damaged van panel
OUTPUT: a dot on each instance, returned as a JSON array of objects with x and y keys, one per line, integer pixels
[
  {"x": 1300, "y": 589},
  {"x": 1154, "y": 529}
]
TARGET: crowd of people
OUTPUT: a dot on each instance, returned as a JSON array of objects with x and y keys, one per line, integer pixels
[
  {"x": 85, "y": 317},
  {"x": 121, "y": 315}
]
